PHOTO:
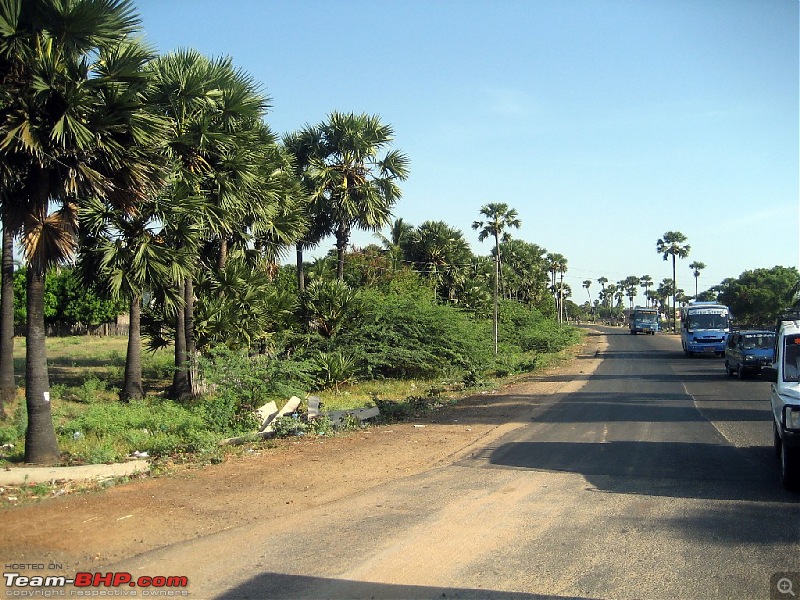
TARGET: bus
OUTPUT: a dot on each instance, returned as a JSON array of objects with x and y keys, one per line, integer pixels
[
  {"x": 704, "y": 328},
  {"x": 643, "y": 320}
]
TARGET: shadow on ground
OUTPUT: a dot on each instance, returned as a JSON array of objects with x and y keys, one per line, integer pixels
[{"x": 278, "y": 585}]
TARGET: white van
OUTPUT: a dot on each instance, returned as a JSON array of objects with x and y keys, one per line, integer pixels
[{"x": 785, "y": 399}]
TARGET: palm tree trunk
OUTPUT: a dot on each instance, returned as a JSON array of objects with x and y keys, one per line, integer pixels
[
  {"x": 180, "y": 379},
  {"x": 222, "y": 256},
  {"x": 342, "y": 237},
  {"x": 496, "y": 278},
  {"x": 191, "y": 346},
  {"x": 301, "y": 278},
  {"x": 41, "y": 446},
  {"x": 132, "y": 388},
  {"x": 7, "y": 385},
  {"x": 674, "y": 297}
]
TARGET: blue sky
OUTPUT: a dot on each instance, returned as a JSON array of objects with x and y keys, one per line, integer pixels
[{"x": 605, "y": 123}]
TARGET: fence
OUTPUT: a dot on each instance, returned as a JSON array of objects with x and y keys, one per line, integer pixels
[{"x": 64, "y": 329}]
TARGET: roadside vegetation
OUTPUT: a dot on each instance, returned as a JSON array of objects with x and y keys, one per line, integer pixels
[{"x": 399, "y": 350}]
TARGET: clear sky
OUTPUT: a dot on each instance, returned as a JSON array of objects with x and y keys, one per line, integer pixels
[{"x": 605, "y": 123}]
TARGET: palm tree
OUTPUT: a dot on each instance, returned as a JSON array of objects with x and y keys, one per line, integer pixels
[
  {"x": 393, "y": 244},
  {"x": 671, "y": 245},
  {"x": 129, "y": 254},
  {"x": 602, "y": 281},
  {"x": 354, "y": 187},
  {"x": 558, "y": 265},
  {"x": 302, "y": 146},
  {"x": 441, "y": 253},
  {"x": 587, "y": 283},
  {"x": 630, "y": 285},
  {"x": 498, "y": 218},
  {"x": 696, "y": 267},
  {"x": 71, "y": 125},
  {"x": 645, "y": 281},
  {"x": 219, "y": 147}
]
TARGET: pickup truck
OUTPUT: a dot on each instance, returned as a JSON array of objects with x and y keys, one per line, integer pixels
[{"x": 784, "y": 375}]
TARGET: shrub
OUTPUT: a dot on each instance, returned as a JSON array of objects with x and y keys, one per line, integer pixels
[{"x": 407, "y": 336}]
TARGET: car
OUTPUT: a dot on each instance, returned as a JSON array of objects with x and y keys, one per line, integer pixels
[
  {"x": 747, "y": 351},
  {"x": 784, "y": 375}
]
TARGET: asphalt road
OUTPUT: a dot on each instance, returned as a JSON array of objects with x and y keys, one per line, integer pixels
[{"x": 655, "y": 479}]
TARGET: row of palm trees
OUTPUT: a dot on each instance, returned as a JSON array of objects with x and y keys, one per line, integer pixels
[{"x": 161, "y": 176}]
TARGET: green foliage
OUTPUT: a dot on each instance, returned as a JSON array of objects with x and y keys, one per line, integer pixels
[
  {"x": 529, "y": 331},
  {"x": 334, "y": 368},
  {"x": 393, "y": 411},
  {"x": 108, "y": 431},
  {"x": 67, "y": 300},
  {"x": 241, "y": 383},
  {"x": 757, "y": 297},
  {"x": 327, "y": 304},
  {"x": 409, "y": 336}
]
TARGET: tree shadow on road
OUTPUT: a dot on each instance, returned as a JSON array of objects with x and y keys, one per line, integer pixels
[{"x": 279, "y": 585}]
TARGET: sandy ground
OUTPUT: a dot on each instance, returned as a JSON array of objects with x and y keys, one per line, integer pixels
[{"x": 85, "y": 531}]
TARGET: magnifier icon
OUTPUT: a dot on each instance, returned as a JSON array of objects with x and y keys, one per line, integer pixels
[{"x": 785, "y": 586}]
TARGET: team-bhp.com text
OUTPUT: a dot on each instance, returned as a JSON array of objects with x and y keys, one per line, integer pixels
[{"x": 95, "y": 584}]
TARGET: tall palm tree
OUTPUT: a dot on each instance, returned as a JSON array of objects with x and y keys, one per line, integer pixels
[
  {"x": 558, "y": 266},
  {"x": 671, "y": 244},
  {"x": 602, "y": 281},
  {"x": 587, "y": 283},
  {"x": 302, "y": 146},
  {"x": 217, "y": 143},
  {"x": 645, "y": 281},
  {"x": 498, "y": 218},
  {"x": 630, "y": 285},
  {"x": 71, "y": 124},
  {"x": 356, "y": 188},
  {"x": 696, "y": 267}
]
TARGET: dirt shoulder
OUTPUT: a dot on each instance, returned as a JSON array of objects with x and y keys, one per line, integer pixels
[{"x": 86, "y": 531}]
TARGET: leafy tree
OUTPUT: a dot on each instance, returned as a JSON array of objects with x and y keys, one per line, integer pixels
[
  {"x": 696, "y": 267},
  {"x": 665, "y": 289},
  {"x": 558, "y": 266},
  {"x": 671, "y": 244},
  {"x": 301, "y": 146},
  {"x": 220, "y": 150},
  {"x": 757, "y": 297}
]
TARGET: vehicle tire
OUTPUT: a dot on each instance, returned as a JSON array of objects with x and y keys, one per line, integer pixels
[
  {"x": 776, "y": 440},
  {"x": 789, "y": 467},
  {"x": 740, "y": 371}
]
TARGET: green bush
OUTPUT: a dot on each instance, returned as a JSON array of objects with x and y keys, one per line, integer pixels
[
  {"x": 241, "y": 383},
  {"x": 408, "y": 336}
]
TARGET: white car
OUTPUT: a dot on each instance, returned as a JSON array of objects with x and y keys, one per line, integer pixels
[{"x": 785, "y": 399}]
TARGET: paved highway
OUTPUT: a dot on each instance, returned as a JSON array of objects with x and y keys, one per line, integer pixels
[{"x": 654, "y": 478}]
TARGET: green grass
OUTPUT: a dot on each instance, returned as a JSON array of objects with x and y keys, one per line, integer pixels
[{"x": 94, "y": 427}]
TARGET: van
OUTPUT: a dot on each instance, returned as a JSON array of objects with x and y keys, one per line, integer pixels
[
  {"x": 784, "y": 375},
  {"x": 747, "y": 351}
]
